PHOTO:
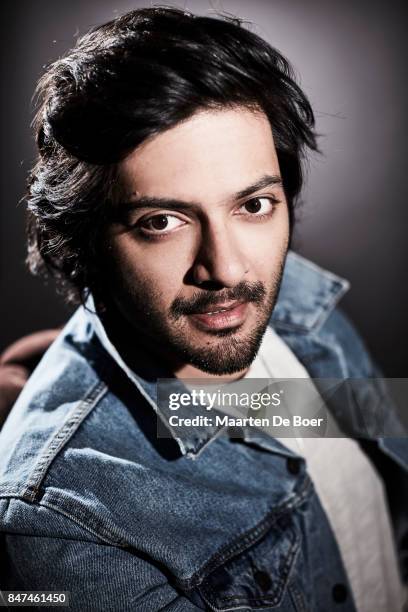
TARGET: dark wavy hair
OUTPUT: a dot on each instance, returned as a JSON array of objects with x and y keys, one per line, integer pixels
[{"x": 124, "y": 81}]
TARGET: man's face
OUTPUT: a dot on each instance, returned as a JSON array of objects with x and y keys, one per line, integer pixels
[{"x": 197, "y": 260}]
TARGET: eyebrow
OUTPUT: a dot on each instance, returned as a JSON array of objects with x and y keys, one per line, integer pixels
[{"x": 267, "y": 180}]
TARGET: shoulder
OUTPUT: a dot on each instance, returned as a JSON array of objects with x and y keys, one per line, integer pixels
[
  {"x": 77, "y": 435},
  {"x": 62, "y": 390},
  {"x": 67, "y": 443}
]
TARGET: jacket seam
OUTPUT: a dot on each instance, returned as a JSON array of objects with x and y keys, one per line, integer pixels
[
  {"x": 297, "y": 599},
  {"x": 106, "y": 538},
  {"x": 73, "y": 420}
]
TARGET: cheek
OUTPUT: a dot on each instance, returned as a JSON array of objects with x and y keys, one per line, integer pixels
[
  {"x": 267, "y": 243},
  {"x": 151, "y": 268}
]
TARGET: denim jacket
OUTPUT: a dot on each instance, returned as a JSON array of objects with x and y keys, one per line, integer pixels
[{"x": 93, "y": 503}]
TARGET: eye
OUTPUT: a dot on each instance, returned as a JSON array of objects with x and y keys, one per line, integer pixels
[
  {"x": 160, "y": 224},
  {"x": 259, "y": 206}
]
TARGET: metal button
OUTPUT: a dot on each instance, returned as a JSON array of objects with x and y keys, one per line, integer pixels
[
  {"x": 263, "y": 580},
  {"x": 339, "y": 592},
  {"x": 293, "y": 465}
]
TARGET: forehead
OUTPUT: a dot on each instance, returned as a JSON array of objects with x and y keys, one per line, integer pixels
[{"x": 210, "y": 155}]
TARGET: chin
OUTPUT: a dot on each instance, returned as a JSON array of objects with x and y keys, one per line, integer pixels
[{"x": 231, "y": 357}]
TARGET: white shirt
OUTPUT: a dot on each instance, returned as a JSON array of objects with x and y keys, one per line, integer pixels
[{"x": 351, "y": 493}]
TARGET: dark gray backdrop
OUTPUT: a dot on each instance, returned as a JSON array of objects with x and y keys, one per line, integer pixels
[{"x": 351, "y": 57}]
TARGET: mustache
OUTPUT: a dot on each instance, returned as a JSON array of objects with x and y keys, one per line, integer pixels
[{"x": 245, "y": 292}]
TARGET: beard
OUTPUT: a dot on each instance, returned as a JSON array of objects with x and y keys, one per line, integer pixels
[
  {"x": 232, "y": 354},
  {"x": 222, "y": 352},
  {"x": 231, "y": 350}
]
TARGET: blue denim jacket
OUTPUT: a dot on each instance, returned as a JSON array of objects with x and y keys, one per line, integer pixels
[{"x": 92, "y": 502}]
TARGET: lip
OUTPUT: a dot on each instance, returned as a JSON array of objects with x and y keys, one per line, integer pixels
[{"x": 224, "y": 316}]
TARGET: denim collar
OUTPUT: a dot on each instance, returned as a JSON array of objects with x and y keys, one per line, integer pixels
[{"x": 307, "y": 296}]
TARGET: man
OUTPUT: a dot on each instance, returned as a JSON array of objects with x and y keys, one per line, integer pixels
[{"x": 170, "y": 161}]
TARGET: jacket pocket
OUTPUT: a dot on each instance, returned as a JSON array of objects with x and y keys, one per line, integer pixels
[{"x": 256, "y": 578}]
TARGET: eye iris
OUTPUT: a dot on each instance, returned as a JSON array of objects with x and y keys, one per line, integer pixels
[
  {"x": 159, "y": 222},
  {"x": 253, "y": 206}
]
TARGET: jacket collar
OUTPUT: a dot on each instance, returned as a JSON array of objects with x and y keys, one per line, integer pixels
[{"x": 307, "y": 296}]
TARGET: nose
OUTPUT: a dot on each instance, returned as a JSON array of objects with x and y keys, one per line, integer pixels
[{"x": 220, "y": 258}]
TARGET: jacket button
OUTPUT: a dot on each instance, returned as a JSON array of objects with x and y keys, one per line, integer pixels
[
  {"x": 339, "y": 593},
  {"x": 293, "y": 465},
  {"x": 263, "y": 580}
]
